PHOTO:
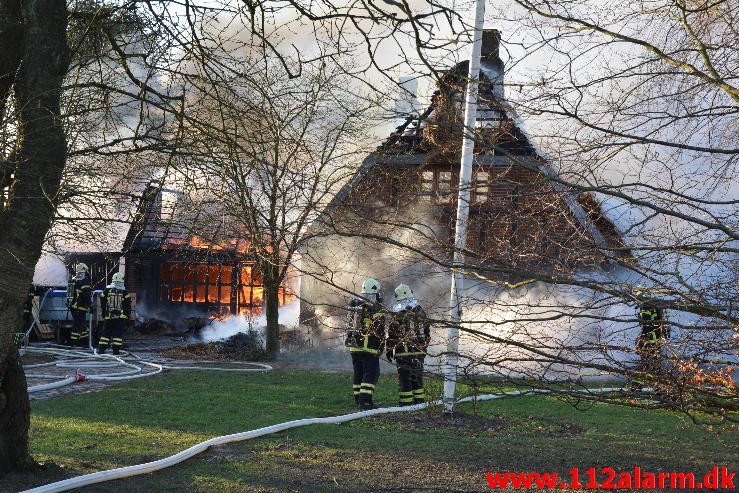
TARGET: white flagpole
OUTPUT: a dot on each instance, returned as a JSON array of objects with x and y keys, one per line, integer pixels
[{"x": 463, "y": 206}]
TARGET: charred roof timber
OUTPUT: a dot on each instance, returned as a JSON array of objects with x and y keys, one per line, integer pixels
[
  {"x": 522, "y": 212},
  {"x": 439, "y": 127}
]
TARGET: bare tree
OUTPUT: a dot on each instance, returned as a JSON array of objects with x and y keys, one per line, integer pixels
[
  {"x": 633, "y": 129},
  {"x": 132, "y": 63},
  {"x": 274, "y": 150},
  {"x": 33, "y": 63},
  {"x": 640, "y": 103}
]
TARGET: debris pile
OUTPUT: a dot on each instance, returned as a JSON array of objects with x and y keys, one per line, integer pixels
[{"x": 244, "y": 346}]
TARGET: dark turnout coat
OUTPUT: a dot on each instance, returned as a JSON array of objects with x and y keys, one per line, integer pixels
[{"x": 409, "y": 330}]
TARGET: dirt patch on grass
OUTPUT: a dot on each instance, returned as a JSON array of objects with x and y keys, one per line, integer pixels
[
  {"x": 34, "y": 359},
  {"x": 466, "y": 423},
  {"x": 42, "y": 473},
  {"x": 435, "y": 420},
  {"x": 211, "y": 351}
]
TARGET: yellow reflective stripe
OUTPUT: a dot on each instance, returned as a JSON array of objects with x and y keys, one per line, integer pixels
[
  {"x": 363, "y": 350},
  {"x": 368, "y": 385},
  {"x": 652, "y": 314},
  {"x": 366, "y": 391},
  {"x": 404, "y": 400}
]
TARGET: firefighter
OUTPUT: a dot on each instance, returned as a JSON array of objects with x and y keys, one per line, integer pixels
[
  {"x": 649, "y": 342},
  {"x": 116, "y": 307},
  {"x": 79, "y": 293},
  {"x": 365, "y": 340},
  {"x": 408, "y": 337}
]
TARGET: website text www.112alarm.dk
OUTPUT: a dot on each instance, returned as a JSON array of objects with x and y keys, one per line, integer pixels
[{"x": 716, "y": 478}]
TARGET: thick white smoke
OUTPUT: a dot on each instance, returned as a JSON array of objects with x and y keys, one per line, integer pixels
[
  {"x": 574, "y": 324},
  {"x": 219, "y": 330},
  {"x": 50, "y": 271}
]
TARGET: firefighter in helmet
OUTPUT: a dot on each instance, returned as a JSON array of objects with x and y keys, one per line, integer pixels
[
  {"x": 79, "y": 300},
  {"x": 649, "y": 342},
  {"x": 365, "y": 340},
  {"x": 116, "y": 307},
  {"x": 408, "y": 337}
]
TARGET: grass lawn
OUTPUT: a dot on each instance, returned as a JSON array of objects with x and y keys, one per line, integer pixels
[{"x": 148, "y": 419}]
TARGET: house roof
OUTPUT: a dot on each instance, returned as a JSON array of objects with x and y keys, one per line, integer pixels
[
  {"x": 161, "y": 223},
  {"x": 502, "y": 141}
]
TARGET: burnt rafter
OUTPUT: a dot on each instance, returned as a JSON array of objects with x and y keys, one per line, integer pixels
[{"x": 521, "y": 211}]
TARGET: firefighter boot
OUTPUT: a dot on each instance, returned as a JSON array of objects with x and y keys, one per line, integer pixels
[
  {"x": 356, "y": 388},
  {"x": 419, "y": 396},
  {"x": 365, "y": 402},
  {"x": 83, "y": 340},
  {"x": 405, "y": 398},
  {"x": 117, "y": 345},
  {"x": 103, "y": 344}
]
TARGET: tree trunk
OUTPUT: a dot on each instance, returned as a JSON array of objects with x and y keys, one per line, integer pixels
[
  {"x": 272, "y": 303},
  {"x": 14, "y": 415},
  {"x": 26, "y": 215}
]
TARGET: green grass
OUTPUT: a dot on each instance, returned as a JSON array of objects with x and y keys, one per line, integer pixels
[{"x": 148, "y": 419}]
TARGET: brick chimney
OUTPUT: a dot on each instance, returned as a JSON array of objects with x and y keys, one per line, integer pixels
[{"x": 490, "y": 62}]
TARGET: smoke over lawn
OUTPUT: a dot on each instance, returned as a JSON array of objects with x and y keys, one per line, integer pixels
[{"x": 219, "y": 330}]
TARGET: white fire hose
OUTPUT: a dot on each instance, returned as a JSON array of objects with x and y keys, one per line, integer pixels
[
  {"x": 124, "y": 472},
  {"x": 81, "y": 359}
]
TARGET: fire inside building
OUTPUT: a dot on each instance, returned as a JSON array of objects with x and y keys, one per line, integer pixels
[
  {"x": 175, "y": 271},
  {"x": 521, "y": 219}
]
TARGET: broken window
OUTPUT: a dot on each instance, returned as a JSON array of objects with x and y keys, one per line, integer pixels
[
  {"x": 445, "y": 187},
  {"x": 481, "y": 188},
  {"x": 427, "y": 186},
  {"x": 217, "y": 288},
  {"x": 208, "y": 284},
  {"x": 437, "y": 186}
]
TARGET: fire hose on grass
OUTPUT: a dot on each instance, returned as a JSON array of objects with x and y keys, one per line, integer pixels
[
  {"x": 124, "y": 472},
  {"x": 80, "y": 360}
]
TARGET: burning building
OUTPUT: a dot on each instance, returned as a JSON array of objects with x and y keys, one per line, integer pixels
[
  {"x": 394, "y": 219},
  {"x": 181, "y": 271}
]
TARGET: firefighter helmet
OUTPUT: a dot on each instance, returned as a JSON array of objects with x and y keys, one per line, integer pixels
[
  {"x": 371, "y": 286},
  {"x": 117, "y": 277},
  {"x": 403, "y": 292},
  {"x": 80, "y": 268}
]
